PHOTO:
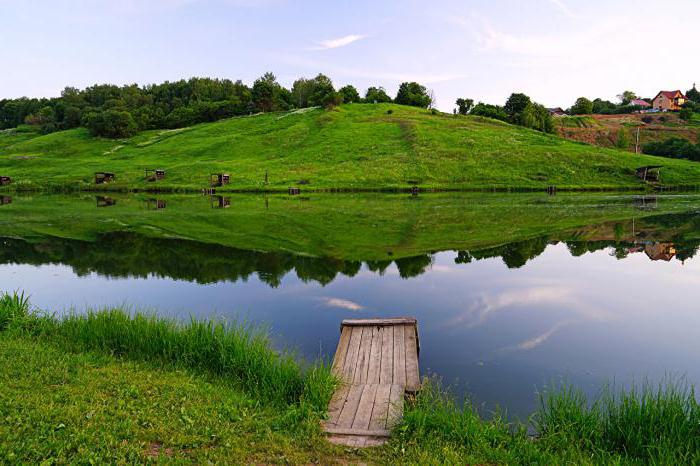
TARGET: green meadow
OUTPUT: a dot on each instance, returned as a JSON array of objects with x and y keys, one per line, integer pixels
[{"x": 351, "y": 147}]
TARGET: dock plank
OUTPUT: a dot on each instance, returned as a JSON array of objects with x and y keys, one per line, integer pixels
[
  {"x": 399, "y": 356},
  {"x": 381, "y": 408},
  {"x": 352, "y": 401},
  {"x": 412, "y": 374},
  {"x": 364, "y": 409},
  {"x": 386, "y": 370},
  {"x": 363, "y": 356},
  {"x": 341, "y": 351},
  {"x": 395, "y": 406},
  {"x": 375, "y": 361},
  {"x": 353, "y": 350}
]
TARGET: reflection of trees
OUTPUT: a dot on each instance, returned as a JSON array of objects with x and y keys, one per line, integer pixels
[
  {"x": 124, "y": 254},
  {"x": 413, "y": 266}
]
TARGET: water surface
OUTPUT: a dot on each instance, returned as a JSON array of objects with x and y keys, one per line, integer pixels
[{"x": 511, "y": 292}]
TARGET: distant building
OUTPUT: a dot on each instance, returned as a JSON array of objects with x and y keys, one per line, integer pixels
[
  {"x": 639, "y": 103},
  {"x": 669, "y": 100},
  {"x": 556, "y": 111},
  {"x": 660, "y": 251}
]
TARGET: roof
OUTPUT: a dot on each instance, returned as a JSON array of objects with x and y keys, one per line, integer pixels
[
  {"x": 670, "y": 94},
  {"x": 640, "y": 103}
]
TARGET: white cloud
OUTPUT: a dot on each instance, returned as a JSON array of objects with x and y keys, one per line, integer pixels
[
  {"x": 342, "y": 304},
  {"x": 339, "y": 42}
]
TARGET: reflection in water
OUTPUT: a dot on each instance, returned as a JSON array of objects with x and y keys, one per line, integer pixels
[{"x": 124, "y": 254}]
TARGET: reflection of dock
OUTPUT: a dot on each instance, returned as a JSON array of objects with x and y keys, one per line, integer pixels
[{"x": 377, "y": 361}]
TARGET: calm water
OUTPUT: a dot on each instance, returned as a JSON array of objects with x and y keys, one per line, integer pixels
[{"x": 586, "y": 289}]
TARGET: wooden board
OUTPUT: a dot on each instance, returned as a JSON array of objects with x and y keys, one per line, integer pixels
[{"x": 377, "y": 360}]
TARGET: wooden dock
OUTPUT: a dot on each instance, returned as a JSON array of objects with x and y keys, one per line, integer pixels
[{"x": 377, "y": 360}]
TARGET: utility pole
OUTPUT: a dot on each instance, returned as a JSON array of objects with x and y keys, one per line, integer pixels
[{"x": 636, "y": 144}]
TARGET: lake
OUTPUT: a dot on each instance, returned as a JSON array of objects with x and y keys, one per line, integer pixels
[{"x": 512, "y": 291}]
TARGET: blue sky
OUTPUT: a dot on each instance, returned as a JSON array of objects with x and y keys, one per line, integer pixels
[{"x": 553, "y": 50}]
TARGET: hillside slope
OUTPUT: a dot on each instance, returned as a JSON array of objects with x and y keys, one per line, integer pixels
[{"x": 350, "y": 147}]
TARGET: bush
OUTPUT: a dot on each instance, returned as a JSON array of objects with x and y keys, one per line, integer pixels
[
  {"x": 110, "y": 124},
  {"x": 676, "y": 148},
  {"x": 389, "y": 112},
  {"x": 647, "y": 119},
  {"x": 686, "y": 113}
]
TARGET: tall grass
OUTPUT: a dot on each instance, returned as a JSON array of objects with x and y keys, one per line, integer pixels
[
  {"x": 649, "y": 423},
  {"x": 13, "y": 308},
  {"x": 237, "y": 352}
]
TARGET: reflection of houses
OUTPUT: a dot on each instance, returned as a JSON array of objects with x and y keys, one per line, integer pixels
[
  {"x": 660, "y": 251},
  {"x": 669, "y": 100}
]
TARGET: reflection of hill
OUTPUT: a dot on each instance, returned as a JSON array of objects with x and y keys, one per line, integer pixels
[{"x": 128, "y": 254}]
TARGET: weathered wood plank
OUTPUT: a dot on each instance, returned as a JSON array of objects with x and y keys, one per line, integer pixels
[
  {"x": 412, "y": 371},
  {"x": 335, "y": 407},
  {"x": 341, "y": 351},
  {"x": 352, "y": 401},
  {"x": 399, "y": 356},
  {"x": 363, "y": 356},
  {"x": 351, "y": 357},
  {"x": 380, "y": 410},
  {"x": 364, "y": 409},
  {"x": 395, "y": 406},
  {"x": 392, "y": 321},
  {"x": 358, "y": 432},
  {"x": 386, "y": 371},
  {"x": 375, "y": 356}
]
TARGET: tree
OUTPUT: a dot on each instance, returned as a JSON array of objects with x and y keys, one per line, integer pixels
[
  {"x": 582, "y": 106},
  {"x": 413, "y": 94},
  {"x": 265, "y": 92},
  {"x": 322, "y": 92},
  {"x": 301, "y": 89},
  {"x": 515, "y": 106},
  {"x": 626, "y": 97},
  {"x": 110, "y": 124},
  {"x": 349, "y": 94},
  {"x": 693, "y": 94},
  {"x": 376, "y": 95},
  {"x": 490, "y": 111},
  {"x": 464, "y": 105}
]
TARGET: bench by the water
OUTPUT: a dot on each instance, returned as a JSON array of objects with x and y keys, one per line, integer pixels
[{"x": 377, "y": 360}]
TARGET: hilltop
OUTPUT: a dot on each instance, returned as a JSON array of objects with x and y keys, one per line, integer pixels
[{"x": 353, "y": 147}]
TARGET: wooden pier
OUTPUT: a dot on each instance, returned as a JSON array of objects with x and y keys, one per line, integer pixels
[{"x": 377, "y": 360}]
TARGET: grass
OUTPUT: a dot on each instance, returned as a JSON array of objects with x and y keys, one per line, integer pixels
[
  {"x": 77, "y": 392},
  {"x": 353, "y": 147}
]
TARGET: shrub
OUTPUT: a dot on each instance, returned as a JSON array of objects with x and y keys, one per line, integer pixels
[
  {"x": 676, "y": 148},
  {"x": 389, "y": 112},
  {"x": 647, "y": 119},
  {"x": 110, "y": 124},
  {"x": 686, "y": 113}
]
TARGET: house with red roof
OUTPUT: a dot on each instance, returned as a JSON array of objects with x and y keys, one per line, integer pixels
[
  {"x": 669, "y": 101},
  {"x": 639, "y": 103}
]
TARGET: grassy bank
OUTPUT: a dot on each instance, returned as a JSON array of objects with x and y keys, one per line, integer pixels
[
  {"x": 353, "y": 147},
  {"x": 105, "y": 387}
]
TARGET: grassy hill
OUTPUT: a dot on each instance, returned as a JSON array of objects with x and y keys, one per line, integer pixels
[{"x": 351, "y": 147}]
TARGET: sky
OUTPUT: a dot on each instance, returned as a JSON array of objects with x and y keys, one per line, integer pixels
[{"x": 552, "y": 50}]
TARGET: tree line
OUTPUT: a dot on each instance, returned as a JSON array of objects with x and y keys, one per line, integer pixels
[
  {"x": 120, "y": 111},
  {"x": 519, "y": 109}
]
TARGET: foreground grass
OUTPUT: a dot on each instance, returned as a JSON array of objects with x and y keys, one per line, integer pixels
[
  {"x": 354, "y": 147},
  {"x": 92, "y": 389}
]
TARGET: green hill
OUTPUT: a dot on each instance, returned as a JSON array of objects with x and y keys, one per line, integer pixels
[{"x": 357, "y": 146}]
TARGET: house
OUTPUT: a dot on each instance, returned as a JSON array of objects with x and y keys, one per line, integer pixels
[
  {"x": 660, "y": 251},
  {"x": 556, "y": 111},
  {"x": 669, "y": 101},
  {"x": 639, "y": 103}
]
